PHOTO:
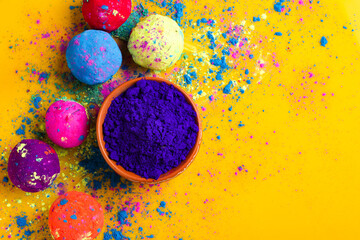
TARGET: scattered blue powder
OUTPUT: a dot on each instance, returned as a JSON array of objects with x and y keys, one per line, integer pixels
[
  {"x": 63, "y": 201},
  {"x": 200, "y": 92},
  {"x": 226, "y": 51},
  {"x": 241, "y": 125},
  {"x": 278, "y": 6},
  {"x": 5, "y": 179},
  {"x": 117, "y": 235},
  {"x": 37, "y": 100},
  {"x": 94, "y": 162},
  {"x": 107, "y": 236},
  {"x": 21, "y": 221},
  {"x": 344, "y": 27},
  {"x": 28, "y": 233},
  {"x": 97, "y": 185},
  {"x": 150, "y": 236},
  {"x": 140, "y": 229},
  {"x": 179, "y": 7},
  {"x": 21, "y": 130},
  {"x": 323, "y": 41},
  {"x": 248, "y": 81},
  {"x": 44, "y": 75},
  {"x": 227, "y": 88},
  {"x": 247, "y": 71},
  {"x": 105, "y": 7},
  {"x": 218, "y": 137},
  {"x": 162, "y": 204},
  {"x": 251, "y": 56},
  {"x": 73, "y": 217},
  {"x": 256, "y": 19},
  {"x": 188, "y": 79},
  {"x": 72, "y": 7},
  {"x": 230, "y": 108},
  {"x": 278, "y": 34},
  {"x": 160, "y": 211},
  {"x": 233, "y": 41},
  {"x": 200, "y": 59},
  {"x": 122, "y": 216}
]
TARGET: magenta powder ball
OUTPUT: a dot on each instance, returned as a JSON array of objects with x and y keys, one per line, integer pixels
[
  {"x": 33, "y": 165},
  {"x": 67, "y": 123}
]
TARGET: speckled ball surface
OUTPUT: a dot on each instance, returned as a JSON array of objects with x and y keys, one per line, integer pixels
[
  {"x": 156, "y": 42},
  {"x": 33, "y": 165},
  {"x": 93, "y": 57},
  {"x": 67, "y": 123},
  {"x": 106, "y": 15},
  {"x": 75, "y": 216}
]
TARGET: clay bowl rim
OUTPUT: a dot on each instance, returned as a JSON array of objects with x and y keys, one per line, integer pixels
[{"x": 118, "y": 168}]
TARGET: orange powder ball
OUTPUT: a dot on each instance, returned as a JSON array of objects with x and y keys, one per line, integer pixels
[{"x": 75, "y": 216}]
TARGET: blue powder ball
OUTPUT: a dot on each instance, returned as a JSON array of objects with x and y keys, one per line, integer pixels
[{"x": 93, "y": 57}]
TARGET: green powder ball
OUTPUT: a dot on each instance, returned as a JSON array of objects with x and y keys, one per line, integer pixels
[{"x": 156, "y": 42}]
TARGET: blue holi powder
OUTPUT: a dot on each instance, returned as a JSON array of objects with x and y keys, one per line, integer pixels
[
  {"x": 162, "y": 204},
  {"x": 122, "y": 216},
  {"x": 256, "y": 19},
  {"x": 218, "y": 137},
  {"x": 97, "y": 185},
  {"x": 44, "y": 75},
  {"x": 6, "y": 179},
  {"x": 278, "y": 6},
  {"x": 323, "y": 41},
  {"x": 94, "y": 162},
  {"x": 63, "y": 201},
  {"x": 72, "y": 7},
  {"x": 233, "y": 41},
  {"x": 107, "y": 236},
  {"x": 227, "y": 88},
  {"x": 104, "y": 7},
  {"x": 21, "y": 130},
  {"x": 188, "y": 79},
  {"x": 160, "y": 211},
  {"x": 179, "y": 7},
  {"x": 73, "y": 217},
  {"x": 21, "y": 221},
  {"x": 247, "y": 71},
  {"x": 37, "y": 100},
  {"x": 278, "y": 34}
]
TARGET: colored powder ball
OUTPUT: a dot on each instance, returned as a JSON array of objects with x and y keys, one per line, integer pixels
[
  {"x": 124, "y": 31},
  {"x": 150, "y": 129},
  {"x": 93, "y": 57},
  {"x": 33, "y": 165},
  {"x": 75, "y": 215},
  {"x": 67, "y": 123},
  {"x": 156, "y": 42},
  {"x": 107, "y": 15}
]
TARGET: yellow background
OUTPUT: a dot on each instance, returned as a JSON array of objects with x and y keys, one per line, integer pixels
[{"x": 303, "y": 184}]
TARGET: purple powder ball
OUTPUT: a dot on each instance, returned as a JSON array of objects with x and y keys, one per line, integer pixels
[
  {"x": 33, "y": 165},
  {"x": 150, "y": 129}
]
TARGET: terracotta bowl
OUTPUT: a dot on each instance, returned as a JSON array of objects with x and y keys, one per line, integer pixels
[{"x": 118, "y": 168}]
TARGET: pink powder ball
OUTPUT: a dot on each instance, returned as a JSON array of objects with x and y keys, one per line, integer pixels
[{"x": 67, "y": 123}]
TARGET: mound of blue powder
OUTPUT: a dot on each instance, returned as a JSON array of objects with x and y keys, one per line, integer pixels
[{"x": 150, "y": 129}]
